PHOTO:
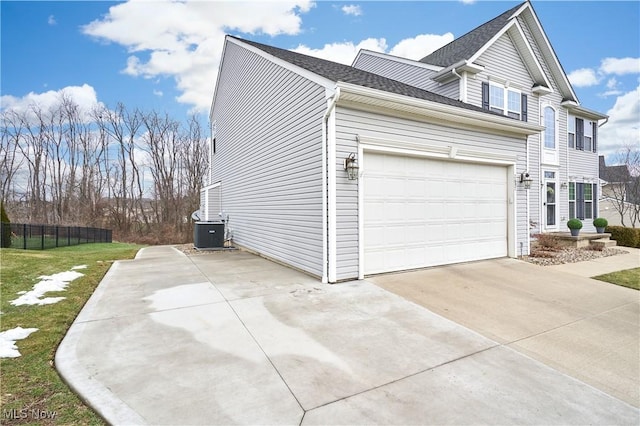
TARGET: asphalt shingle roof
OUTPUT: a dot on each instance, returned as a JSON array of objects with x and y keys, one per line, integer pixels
[
  {"x": 467, "y": 45},
  {"x": 347, "y": 74}
]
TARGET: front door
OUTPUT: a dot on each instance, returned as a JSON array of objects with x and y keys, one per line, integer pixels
[{"x": 550, "y": 198}]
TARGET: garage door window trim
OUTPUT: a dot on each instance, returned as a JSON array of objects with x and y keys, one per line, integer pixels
[{"x": 413, "y": 148}]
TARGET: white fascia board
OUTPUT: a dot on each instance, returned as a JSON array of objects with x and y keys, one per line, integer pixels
[
  {"x": 547, "y": 49},
  {"x": 446, "y": 75},
  {"x": 530, "y": 59},
  {"x": 514, "y": 29},
  {"x": 215, "y": 89},
  {"x": 421, "y": 107},
  {"x": 322, "y": 81},
  {"x": 582, "y": 112},
  {"x": 399, "y": 59}
]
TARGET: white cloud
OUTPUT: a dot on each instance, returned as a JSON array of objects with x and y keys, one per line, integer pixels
[
  {"x": 158, "y": 92},
  {"x": 468, "y": 1},
  {"x": 84, "y": 96},
  {"x": 623, "y": 127},
  {"x": 51, "y": 20},
  {"x": 620, "y": 66},
  {"x": 583, "y": 77},
  {"x": 412, "y": 48},
  {"x": 352, "y": 9},
  {"x": 421, "y": 45},
  {"x": 343, "y": 53},
  {"x": 184, "y": 39}
]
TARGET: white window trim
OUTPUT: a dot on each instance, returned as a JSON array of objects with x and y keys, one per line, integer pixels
[
  {"x": 506, "y": 88},
  {"x": 555, "y": 127},
  {"x": 571, "y": 122}
]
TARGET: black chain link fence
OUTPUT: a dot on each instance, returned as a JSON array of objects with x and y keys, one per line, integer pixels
[{"x": 41, "y": 237}]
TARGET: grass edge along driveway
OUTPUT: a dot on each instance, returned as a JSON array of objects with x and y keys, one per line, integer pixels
[
  {"x": 31, "y": 391},
  {"x": 627, "y": 278}
]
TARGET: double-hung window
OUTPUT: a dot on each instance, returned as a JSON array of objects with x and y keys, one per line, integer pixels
[
  {"x": 571, "y": 131},
  {"x": 213, "y": 137},
  {"x": 588, "y": 136},
  {"x": 514, "y": 102},
  {"x": 572, "y": 200},
  {"x": 504, "y": 100},
  {"x": 585, "y": 134},
  {"x": 582, "y": 204},
  {"x": 496, "y": 98},
  {"x": 549, "y": 128}
]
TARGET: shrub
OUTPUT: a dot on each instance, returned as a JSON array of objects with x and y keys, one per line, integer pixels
[
  {"x": 547, "y": 241},
  {"x": 600, "y": 222},
  {"x": 627, "y": 237},
  {"x": 574, "y": 224},
  {"x": 6, "y": 228}
]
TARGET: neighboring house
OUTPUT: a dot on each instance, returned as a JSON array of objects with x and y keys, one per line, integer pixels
[
  {"x": 619, "y": 197},
  {"x": 446, "y": 148}
]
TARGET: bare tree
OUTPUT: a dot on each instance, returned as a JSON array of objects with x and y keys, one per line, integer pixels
[
  {"x": 89, "y": 167},
  {"x": 622, "y": 186},
  {"x": 194, "y": 163},
  {"x": 10, "y": 160}
]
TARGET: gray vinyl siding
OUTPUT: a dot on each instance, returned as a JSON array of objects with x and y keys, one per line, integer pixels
[
  {"x": 351, "y": 122},
  {"x": 214, "y": 205},
  {"x": 269, "y": 158},
  {"x": 501, "y": 60},
  {"x": 410, "y": 74},
  {"x": 450, "y": 90}
]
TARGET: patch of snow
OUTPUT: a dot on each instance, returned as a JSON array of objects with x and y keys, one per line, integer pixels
[
  {"x": 55, "y": 282},
  {"x": 79, "y": 267},
  {"x": 8, "y": 348}
]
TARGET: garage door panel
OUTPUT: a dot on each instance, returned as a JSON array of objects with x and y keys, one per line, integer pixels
[{"x": 425, "y": 212}]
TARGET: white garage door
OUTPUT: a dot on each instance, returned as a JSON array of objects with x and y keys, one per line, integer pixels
[{"x": 422, "y": 212}]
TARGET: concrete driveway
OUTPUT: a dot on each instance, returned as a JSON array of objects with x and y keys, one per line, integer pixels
[
  {"x": 232, "y": 338},
  {"x": 580, "y": 326}
]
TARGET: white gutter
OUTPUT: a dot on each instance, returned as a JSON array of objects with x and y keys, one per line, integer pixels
[
  {"x": 455, "y": 115},
  {"x": 329, "y": 224}
]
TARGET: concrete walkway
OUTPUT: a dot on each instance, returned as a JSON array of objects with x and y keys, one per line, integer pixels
[
  {"x": 602, "y": 265},
  {"x": 231, "y": 338}
]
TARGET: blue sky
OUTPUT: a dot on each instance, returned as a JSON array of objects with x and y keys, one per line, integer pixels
[{"x": 164, "y": 56}]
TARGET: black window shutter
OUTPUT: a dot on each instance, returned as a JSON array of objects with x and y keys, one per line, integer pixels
[
  {"x": 580, "y": 200},
  {"x": 580, "y": 134},
  {"x": 595, "y": 199},
  {"x": 214, "y": 145},
  {"x": 485, "y": 95},
  {"x": 595, "y": 136},
  {"x": 523, "y": 106}
]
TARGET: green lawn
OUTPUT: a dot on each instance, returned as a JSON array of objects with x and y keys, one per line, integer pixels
[
  {"x": 629, "y": 278},
  {"x": 30, "y": 382}
]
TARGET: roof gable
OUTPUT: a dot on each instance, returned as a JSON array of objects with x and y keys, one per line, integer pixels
[
  {"x": 466, "y": 46},
  {"x": 336, "y": 72}
]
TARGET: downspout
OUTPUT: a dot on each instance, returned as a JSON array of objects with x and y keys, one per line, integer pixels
[
  {"x": 528, "y": 199},
  {"x": 460, "y": 91},
  {"x": 539, "y": 195},
  {"x": 325, "y": 184}
]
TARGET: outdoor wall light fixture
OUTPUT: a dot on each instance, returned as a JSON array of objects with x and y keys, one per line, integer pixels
[
  {"x": 351, "y": 166},
  {"x": 525, "y": 180}
]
